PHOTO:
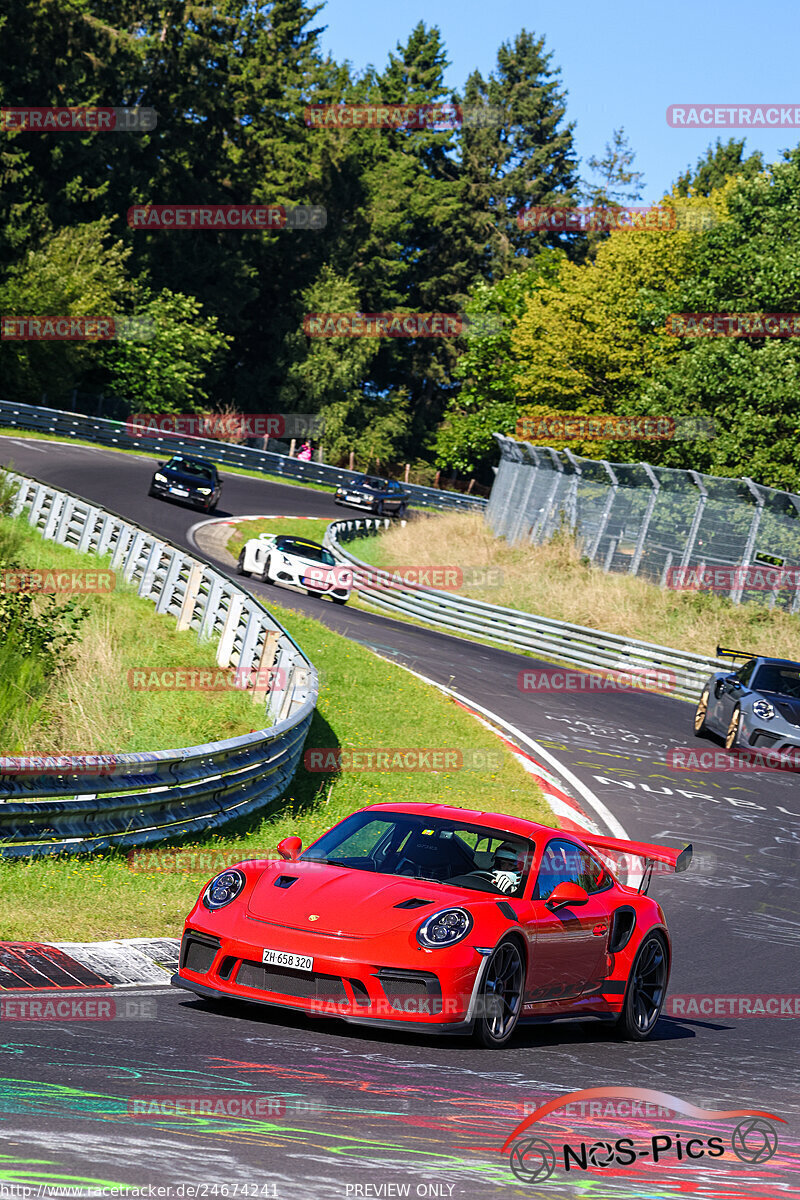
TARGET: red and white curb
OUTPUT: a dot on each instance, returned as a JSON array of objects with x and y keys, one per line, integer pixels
[{"x": 76, "y": 966}]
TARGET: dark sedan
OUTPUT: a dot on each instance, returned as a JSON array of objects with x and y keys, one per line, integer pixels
[
  {"x": 190, "y": 479},
  {"x": 383, "y": 497}
]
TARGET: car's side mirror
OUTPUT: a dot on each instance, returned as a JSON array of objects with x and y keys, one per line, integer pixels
[
  {"x": 566, "y": 895},
  {"x": 289, "y": 849}
]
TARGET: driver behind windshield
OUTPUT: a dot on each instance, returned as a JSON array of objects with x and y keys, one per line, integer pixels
[{"x": 507, "y": 868}]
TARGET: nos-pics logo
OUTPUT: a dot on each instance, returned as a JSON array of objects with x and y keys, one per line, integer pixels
[{"x": 533, "y": 1159}]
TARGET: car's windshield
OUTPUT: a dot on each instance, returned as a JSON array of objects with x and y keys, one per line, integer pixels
[
  {"x": 189, "y": 466},
  {"x": 309, "y": 550},
  {"x": 782, "y": 680},
  {"x": 425, "y": 848}
]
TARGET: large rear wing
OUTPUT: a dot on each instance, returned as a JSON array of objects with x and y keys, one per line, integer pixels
[
  {"x": 727, "y": 652},
  {"x": 666, "y": 856}
]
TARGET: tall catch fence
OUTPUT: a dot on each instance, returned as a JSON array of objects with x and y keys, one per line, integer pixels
[{"x": 676, "y": 528}]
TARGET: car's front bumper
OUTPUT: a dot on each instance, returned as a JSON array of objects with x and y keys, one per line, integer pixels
[
  {"x": 370, "y": 504},
  {"x": 208, "y": 993},
  {"x": 291, "y": 575},
  {"x": 167, "y": 492},
  {"x": 356, "y": 980}
]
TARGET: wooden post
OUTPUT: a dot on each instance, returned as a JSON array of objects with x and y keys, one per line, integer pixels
[
  {"x": 408, "y": 471},
  {"x": 263, "y": 681},
  {"x": 225, "y": 648},
  {"x": 190, "y": 596},
  {"x": 471, "y": 486},
  {"x": 292, "y": 445},
  {"x": 436, "y": 480},
  {"x": 351, "y": 466}
]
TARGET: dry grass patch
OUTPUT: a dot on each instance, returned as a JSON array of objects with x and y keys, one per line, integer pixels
[{"x": 555, "y": 581}]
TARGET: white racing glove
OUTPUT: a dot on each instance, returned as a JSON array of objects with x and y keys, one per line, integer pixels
[{"x": 507, "y": 881}]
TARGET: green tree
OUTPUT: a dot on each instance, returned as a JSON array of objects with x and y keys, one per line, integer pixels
[
  {"x": 487, "y": 401},
  {"x": 716, "y": 166}
]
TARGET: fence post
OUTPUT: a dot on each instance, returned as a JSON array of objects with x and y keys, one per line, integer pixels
[
  {"x": 752, "y": 533},
  {"x": 610, "y": 498},
  {"x": 533, "y": 469},
  {"x": 696, "y": 519},
  {"x": 232, "y": 617},
  {"x": 648, "y": 512},
  {"x": 539, "y": 531},
  {"x": 572, "y": 499}
]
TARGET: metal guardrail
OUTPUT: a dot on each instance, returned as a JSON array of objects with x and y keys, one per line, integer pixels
[
  {"x": 115, "y": 435},
  {"x": 81, "y": 803},
  {"x": 682, "y": 672}
]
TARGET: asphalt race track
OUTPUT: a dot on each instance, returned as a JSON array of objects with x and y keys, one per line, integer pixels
[{"x": 371, "y": 1114}]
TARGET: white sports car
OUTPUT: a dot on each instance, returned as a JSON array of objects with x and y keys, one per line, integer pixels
[{"x": 295, "y": 563}]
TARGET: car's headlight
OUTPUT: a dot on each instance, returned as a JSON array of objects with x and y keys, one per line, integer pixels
[
  {"x": 763, "y": 710},
  {"x": 160, "y": 478},
  {"x": 445, "y": 928},
  {"x": 204, "y": 491},
  {"x": 225, "y": 888}
]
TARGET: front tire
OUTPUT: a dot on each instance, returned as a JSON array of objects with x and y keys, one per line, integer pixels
[
  {"x": 732, "y": 736},
  {"x": 500, "y": 997},
  {"x": 701, "y": 715},
  {"x": 646, "y": 990},
  {"x": 240, "y": 564},
  {"x": 265, "y": 576}
]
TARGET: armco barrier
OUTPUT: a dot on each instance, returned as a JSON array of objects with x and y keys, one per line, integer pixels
[
  {"x": 115, "y": 435},
  {"x": 95, "y": 802},
  {"x": 555, "y": 640}
]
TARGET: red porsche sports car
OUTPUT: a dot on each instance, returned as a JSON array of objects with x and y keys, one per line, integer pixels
[{"x": 440, "y": 919}]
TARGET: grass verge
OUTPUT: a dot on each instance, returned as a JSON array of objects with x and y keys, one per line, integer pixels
[
  {"x": 556, "y": 581},
  {"x": 89, "y": 706},
  {"x": 364, "y": 702}
]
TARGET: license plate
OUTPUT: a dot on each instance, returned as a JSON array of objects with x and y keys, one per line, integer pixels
[
  {"x": 298, "y": 962},
  {"x": 356, "y": 499},
  {"x": 179, "y": 491}
]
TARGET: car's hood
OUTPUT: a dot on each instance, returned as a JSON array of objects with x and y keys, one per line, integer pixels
[
  {"x": 345, "y": 901},
  {"x": 787, "y": 706},
  {"x": 185, "y": 480},
  {"x": 301, "y": 560}
]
